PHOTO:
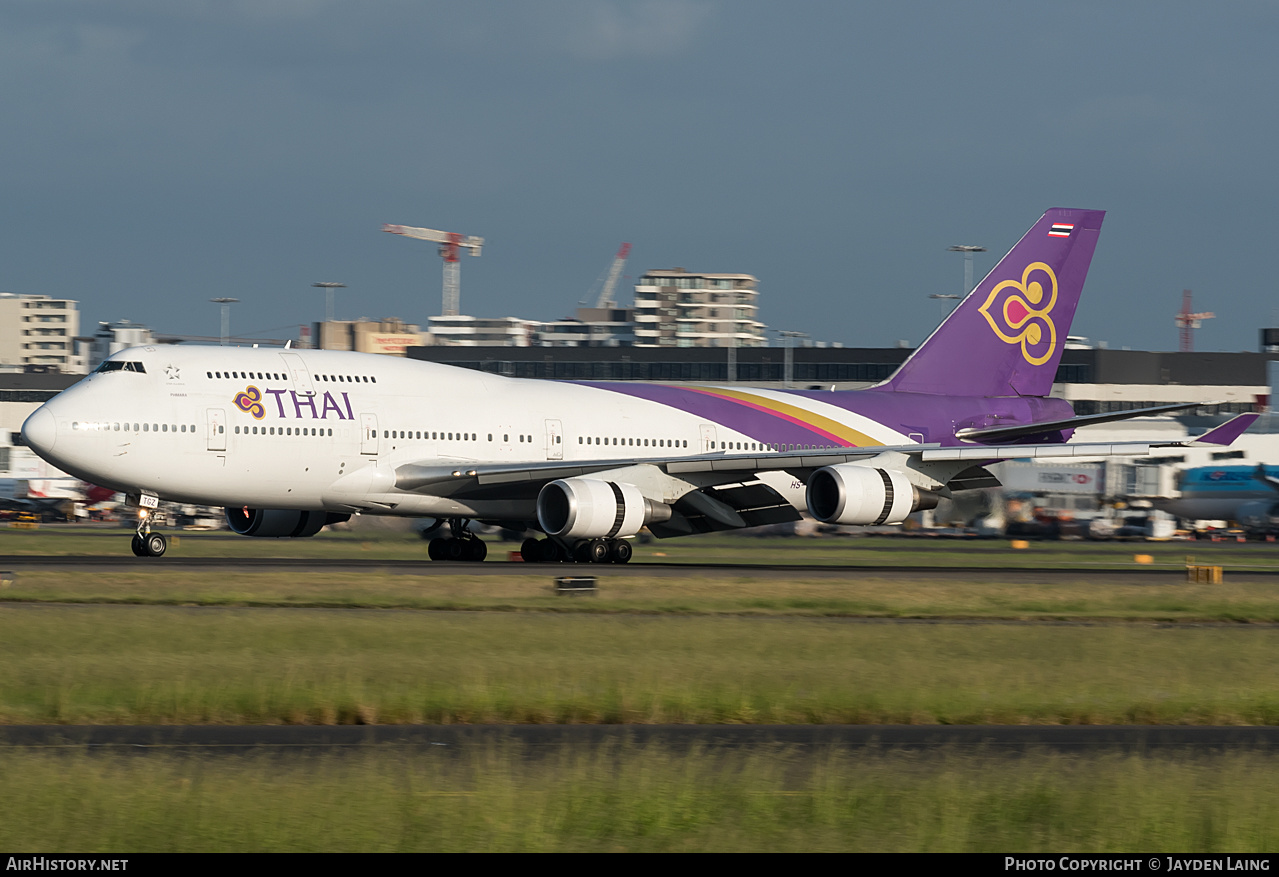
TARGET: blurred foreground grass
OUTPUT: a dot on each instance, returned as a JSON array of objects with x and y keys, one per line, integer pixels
[
  {"x": 140, "y": 664},
  {"x": 651, "y": 799},
  {"x": 954, "y": 595}
]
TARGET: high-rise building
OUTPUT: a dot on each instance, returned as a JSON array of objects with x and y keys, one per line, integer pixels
[
  {"x": 39, "y": 331},
  {"x": 678, "y": 308}
]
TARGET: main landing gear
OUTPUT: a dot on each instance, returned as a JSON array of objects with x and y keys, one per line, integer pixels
[
  {"x": 583, "y": 551},
  {"x": 145, "y": 543},
  {"x": 462, "y": 545}
]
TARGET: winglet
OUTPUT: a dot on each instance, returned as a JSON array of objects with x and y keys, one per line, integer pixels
[{"x": 1227, "y": 432}]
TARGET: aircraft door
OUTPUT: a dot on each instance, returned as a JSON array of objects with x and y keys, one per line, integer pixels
[
  {"x": 554, "y": 440},
  {"x": 368, "y": 433},
  {"x": 216, "y": 419},
  {"x": 301, "y": 376},
  {"x": 708, "y": 437}
]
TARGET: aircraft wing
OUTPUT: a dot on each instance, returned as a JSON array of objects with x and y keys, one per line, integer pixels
[
  {"x": 1022, "y": 430},
  {"x": 728, "y": 468}
]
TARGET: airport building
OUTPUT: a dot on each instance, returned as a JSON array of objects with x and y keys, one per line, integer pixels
[
  {"x": 591, "y": 327},
  {"x": 678, "y": 308},
  {"x": 38, "y": 330},
  {"x": 391, "y": 336},
  {"x": 466, "y": 331}
]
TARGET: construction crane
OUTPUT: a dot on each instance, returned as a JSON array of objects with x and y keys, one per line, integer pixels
[
  {"x": 451, "y": 242},
  {"x": 606, "y": 299},
  {"x": 1189, "y": 321}
]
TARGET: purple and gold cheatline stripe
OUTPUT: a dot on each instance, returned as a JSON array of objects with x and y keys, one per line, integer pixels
[{"x": 833, "y": 430}]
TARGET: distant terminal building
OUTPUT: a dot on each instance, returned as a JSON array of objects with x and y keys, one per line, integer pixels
[
  {"x": 391, "y": 336},
  {"x": 459, "y": 330},
  {"x": 40, "y": 331},
  {"x": 678, "y": 308},
  {"x": 590, "y": 327}
]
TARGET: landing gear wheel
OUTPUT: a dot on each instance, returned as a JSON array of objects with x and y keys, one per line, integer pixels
[
  {"x": 550, "y": 552},
  {"x": 474, "y": 550},
  {"x": 155, "y": 544},
  {"x": 597, "y": 551},
  {"x": 456, "y": 549},
  {"x": 437, "y": 548},
  {"x": 620, "y": 551},
  {"x": 582, "y": 551},
  {"x": 139, "y": 548},
  {"x": 531, "y": 550}
]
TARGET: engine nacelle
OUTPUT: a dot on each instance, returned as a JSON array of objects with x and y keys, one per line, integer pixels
[
  {"x": 851, "y": 494},
  {"x": 279, "y": 522},
  {"x": 590, "y": 508}
]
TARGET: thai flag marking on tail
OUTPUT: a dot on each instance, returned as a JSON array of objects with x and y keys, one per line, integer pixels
[{"x": 1061, "y": 229}]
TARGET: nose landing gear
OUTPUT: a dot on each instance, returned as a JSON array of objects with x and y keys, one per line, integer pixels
[{"x": 145, "y": 543}]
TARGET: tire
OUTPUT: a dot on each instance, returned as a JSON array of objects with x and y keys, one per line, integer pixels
[
  {"x": 455, "y": 549},
  {"x": 531, "y": 551},
  {"x": 598, "y": 551},
  {"x": 582, "y": 551},
  {"x": 155, "y": 545},
  {"x": 620, "y": 551},
  {"x": 474, "y": 550},
  {"x": 550, "y": 552},
  {"x": 139, "y": 549},
  {"x": 437, "y": 548}
]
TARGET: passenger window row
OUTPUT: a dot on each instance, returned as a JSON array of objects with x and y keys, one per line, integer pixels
[
  {"x": 282, "y": 430},
  {"x": 437, "y": 436},
  {"x": 634, "y": 442},
  {"x": 269, "y": 376},
  {"x": 136, "y": 427}
]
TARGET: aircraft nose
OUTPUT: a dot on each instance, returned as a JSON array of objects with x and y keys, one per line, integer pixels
[{"x": 40, "y": 431}]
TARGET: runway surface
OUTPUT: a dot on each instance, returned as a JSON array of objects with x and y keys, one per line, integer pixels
[
  {"x": 1153, "y": 573},
  {"x": 243, "y": 739}
]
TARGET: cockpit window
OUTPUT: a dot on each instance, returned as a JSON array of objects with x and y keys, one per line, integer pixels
[{"x": 117, "y": 365}]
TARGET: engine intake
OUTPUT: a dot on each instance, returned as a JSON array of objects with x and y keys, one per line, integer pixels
[
  {"x": 851, "y": 494},
  {"x": 279, "y": 522},
  {"x": 590, "y": 508}
]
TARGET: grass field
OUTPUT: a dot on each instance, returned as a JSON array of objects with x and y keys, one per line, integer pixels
[
  {"x": 173, "y": 645},
  {"x": 867, "y": 595},
  {"x": 140, "y": 664},
  {"x": 496, "y": 799}
]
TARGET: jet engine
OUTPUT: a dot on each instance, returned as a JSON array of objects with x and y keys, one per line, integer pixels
[
  {"x": 590, "y": 508},
  {"x": 851, "y": 494},
  {"x": 279, "y": 522}
]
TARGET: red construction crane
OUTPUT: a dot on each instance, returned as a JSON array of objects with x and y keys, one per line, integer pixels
[
  {"x": 1189, "y": 322},
  {"x": 451, "y": 241},
  {"x": 606, "y": 299}
]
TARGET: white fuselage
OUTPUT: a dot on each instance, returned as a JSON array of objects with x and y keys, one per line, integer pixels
[{"x": 326, "y": 430}]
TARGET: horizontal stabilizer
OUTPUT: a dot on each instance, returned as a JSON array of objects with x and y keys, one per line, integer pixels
[
  {"x": 1227, "y": 432},
  {"x": 997, "y": 434}
]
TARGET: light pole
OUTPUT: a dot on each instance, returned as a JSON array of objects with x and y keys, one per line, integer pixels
[
  {"x": 226, "y": 315},
  {"x": 789, "y": 368},
  {"x": 328, "y": 288},
  {"x": 968, "y": 263},
  {"x": 945, "y": 297}
]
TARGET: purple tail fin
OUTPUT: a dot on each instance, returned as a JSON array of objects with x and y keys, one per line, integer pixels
[{"x": 1006, "y": 337}]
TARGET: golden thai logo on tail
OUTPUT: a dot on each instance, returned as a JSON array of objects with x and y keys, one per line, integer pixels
[{"x": 1020, "y": 312}]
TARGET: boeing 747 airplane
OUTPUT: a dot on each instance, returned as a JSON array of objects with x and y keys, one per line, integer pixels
[{"x": 291, "y": 440}]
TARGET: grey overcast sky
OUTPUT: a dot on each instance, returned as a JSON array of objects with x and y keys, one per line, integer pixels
[{"x": 157, "y": 153}]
